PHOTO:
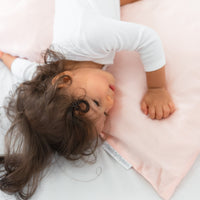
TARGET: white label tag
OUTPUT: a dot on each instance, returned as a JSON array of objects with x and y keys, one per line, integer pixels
[{"x": 116, "y": 156}]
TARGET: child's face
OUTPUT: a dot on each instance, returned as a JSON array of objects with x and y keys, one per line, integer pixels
[{"x": 98, "y": 87}]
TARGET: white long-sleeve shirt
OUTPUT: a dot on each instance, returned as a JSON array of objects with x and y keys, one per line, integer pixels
[{"x": 91, "y": 30}]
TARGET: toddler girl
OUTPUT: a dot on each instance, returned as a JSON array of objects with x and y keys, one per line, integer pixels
[{"x": 61, "y": 106}]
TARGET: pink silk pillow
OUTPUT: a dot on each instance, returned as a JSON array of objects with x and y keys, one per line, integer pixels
[{"x": 161, "y": 151}]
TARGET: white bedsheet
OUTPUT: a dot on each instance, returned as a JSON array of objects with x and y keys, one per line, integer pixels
[{"x": 106, "y": 179}]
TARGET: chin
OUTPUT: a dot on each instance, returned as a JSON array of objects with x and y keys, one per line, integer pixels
[{"x": 100, "y": 124}]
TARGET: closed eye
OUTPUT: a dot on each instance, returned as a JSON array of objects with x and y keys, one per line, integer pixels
[
  {"x": 96, "y": 102},
  {"x": 106, "y": 114}
]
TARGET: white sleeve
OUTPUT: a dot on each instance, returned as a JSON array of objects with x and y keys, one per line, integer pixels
[
  {"x": 105, "y": 35},
  {"x": 23, "y": 69}
]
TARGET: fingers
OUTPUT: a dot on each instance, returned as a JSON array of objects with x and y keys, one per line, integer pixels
[
  {"x": 156, "y": 112},
  {"x": 144, "y": 108},
  {"x": 157, "y": 104},
  {"x": 166, "y": 111},
  {"x": 152, "y": 112},
  {"x": 172, "y": 107},
  {"x": 161, "y": 112}
]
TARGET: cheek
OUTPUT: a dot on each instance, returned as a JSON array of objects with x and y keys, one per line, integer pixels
[
  {"x": 109, "y": 102},
  {"x": 100, "y": 123},
  {"x": 96, "y": 87},
  {"x": 97, "y": 118},
  {"x": 97, "y": 80}
]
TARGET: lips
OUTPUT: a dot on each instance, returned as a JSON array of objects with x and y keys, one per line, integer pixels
[{"x": 112, "y": 87}]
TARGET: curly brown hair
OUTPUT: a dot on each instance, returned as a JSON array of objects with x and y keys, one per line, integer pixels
[{"x": 45, "y": 119}]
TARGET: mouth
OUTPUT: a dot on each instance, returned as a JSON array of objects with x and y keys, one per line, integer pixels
[{"x": 112, "y": 87}]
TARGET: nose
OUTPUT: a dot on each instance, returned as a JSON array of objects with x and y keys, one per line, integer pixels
[{"x": 109, "y": 103}]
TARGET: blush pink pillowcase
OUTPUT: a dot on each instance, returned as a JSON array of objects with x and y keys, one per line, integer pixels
[
  {"x": 26, "y": 27},
  {"x": 162, "y": 151}
]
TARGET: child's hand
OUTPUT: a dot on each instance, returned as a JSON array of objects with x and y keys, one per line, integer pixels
[
  {"x": 157, "y": 103},
  {"x": 7, "y": 59}
]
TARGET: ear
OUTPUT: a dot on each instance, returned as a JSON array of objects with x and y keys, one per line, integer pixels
[{"x": 62, "y": 79}]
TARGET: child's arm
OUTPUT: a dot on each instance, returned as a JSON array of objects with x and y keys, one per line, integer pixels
[
  {"x": 124, "y": 2},
  {"x": 7, "y": 59},
  {"x": 21, "y": 68},
  {"x": 119, "y": 35},
  {"x": 157, "y": 102}
]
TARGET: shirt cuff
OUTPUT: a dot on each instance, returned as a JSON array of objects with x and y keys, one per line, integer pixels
[{"x": 23, "y": 69}]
